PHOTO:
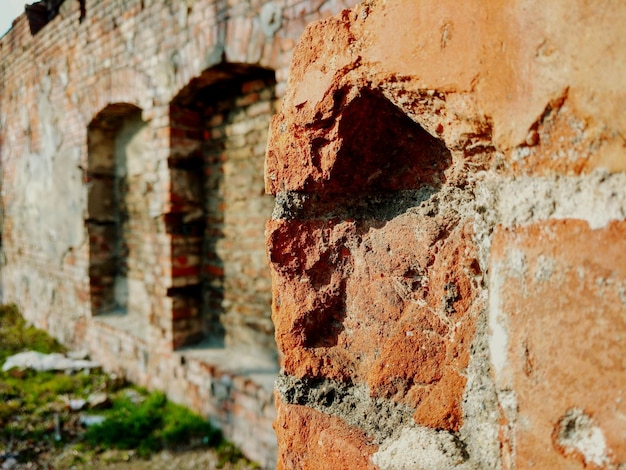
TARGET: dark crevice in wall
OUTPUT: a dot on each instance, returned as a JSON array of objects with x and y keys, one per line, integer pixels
[
  {"x": 41, "y": 13},
  {"x": 381, "y": 149},
  {"x": 83, "y": 11}
]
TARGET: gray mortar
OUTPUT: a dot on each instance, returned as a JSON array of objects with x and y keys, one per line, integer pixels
[
  {"x": 480, "y": 403},
  {"x": 596, "y": 198},
  {"x": 489, "y": 200},
  {"x": 403, "y": 444},
  {"x": 379, "y": 418},
  {"x": 292, "y": 205}
]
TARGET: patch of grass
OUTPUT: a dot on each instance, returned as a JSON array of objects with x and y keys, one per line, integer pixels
[
  {"x": 150, "y": 426},
  {"x": 228, "y": 453},
  {"x": 142, "y": 423},
  {"x": 181, "y": 426},
  {"x": 35, "y": 389}
]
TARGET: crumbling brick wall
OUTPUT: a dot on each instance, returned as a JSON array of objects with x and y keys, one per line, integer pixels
[
  {"x": 448, "y": 244},
  {"x": 132, "y": 140}
]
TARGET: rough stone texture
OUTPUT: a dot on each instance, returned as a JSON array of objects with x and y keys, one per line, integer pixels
[
  {"x": 425, "y": 151},
  {"x": 558, "y": 311},
  {"x": 362, "y": 322},
  {"x": 319, "y": 441},
  {"x": 132, "y": 135},
  {"x": 410, "y": 133}
]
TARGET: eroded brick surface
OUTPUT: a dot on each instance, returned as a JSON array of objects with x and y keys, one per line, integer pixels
[
  {"x": 315, "y": 441},
  {"x": 408, "y": 133},
  {"x": 374, "y": 303},
  {"x": 557, "y": 297}
]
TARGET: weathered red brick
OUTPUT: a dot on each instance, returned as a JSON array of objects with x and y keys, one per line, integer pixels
[
  {"x": 378, "y": 306},
  {"x": 558, "y": 288},
  {"x": 310, "y": 440}
]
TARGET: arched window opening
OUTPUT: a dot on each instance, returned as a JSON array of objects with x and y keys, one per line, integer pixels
[
  {"x": 116, "y": 140},
  {"x": 221, "y": 288}
]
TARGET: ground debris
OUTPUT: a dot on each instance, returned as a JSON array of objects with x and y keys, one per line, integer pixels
[{"x": 47, "y": 362}]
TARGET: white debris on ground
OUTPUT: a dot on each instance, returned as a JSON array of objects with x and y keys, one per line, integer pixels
[{"x": 47, "y": 362}]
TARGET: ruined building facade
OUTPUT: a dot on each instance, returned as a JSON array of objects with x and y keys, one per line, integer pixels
[
  {"x": 132, "y": 142},
  {"x": 446, "y": 248}
]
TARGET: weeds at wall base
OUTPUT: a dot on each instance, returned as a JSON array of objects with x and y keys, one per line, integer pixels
[{"x": 138, "y": 423}]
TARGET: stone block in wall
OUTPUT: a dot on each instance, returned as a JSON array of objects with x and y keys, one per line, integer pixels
[
  {"x": 557, "y": 307},
  {"x": 378, "y": 303},
  {"x": 316, "y": 441}
]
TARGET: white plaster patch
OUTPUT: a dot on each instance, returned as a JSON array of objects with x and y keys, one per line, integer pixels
[
  {"x": 544, "y": 268},
  {"x": 419, "y": 448},
  {"x": 578, "y": 434},
  {"x": 508, "y": 402},
  {"x": 498, "y": 335},
  {"x": 597, "y": 198}
]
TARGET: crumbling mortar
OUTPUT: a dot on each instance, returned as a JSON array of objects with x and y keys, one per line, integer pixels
[
  {"x": 380, "y": 419},
  {"x": 596, "y": 198},
  {"x": 386, "y": 423},
  {"x": 480, "y": 429},
  {"x": 295, "y": 205}
]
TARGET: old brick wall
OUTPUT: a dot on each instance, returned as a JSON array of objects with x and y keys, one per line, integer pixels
[
  {"x": 132, "y": 139},
  {"x": 447, "y": 246}
]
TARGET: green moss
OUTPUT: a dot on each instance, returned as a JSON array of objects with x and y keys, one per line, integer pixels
[
  {"x": 182, "y": 426},
  {"x": 138, "y": 421},
  {"x": 150, "y": 426},
  {"x": 16, "y": 336},
  {"x": 228, "y": 453}
]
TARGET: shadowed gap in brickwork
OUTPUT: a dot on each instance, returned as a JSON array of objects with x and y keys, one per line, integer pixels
[
  {"x": 374, "y": 147},
  {"x": 39, "y": 14},
  {"x": 220, "y": 284},
  {"x": 113, "y": 137},
  {"x": 383, "y": 164}
]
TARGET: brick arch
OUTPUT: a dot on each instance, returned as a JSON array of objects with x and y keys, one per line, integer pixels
[
  {"x": 235, "y": 40},
  {"x": 119, "y": 86}
]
